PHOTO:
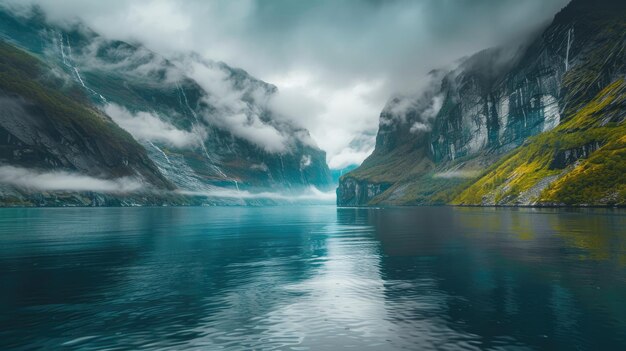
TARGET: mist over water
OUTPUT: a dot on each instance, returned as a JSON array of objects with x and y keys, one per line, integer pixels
[{"x": 312, "y": 278}]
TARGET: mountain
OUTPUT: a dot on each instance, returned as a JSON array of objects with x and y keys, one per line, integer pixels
[
  {"x": 74, "y": 101},
  {"x": 541, "y": 124}
]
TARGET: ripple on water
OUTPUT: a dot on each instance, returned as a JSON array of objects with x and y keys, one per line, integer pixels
[{"x": 311, "y": 278}]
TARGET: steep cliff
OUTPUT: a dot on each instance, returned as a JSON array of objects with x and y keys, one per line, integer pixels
[
  {"x": 438, "y": 147},
  {"x": 581, "y": 162},
  {"x": 192, "y": 124},
  {"x": 45, "y": 125}
]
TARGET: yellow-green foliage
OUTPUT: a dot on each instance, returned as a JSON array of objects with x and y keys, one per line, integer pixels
[
  {"x": 600, "y": 179},
  {"x": 590, "y": 182},
  {"x": 419, "y": 190},
  {"x": 515, "y": 173}
]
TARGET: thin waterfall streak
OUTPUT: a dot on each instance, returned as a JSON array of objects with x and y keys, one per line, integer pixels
[
  {"x": 79, "y": 78},
  {"x": 60, "y": 40},
  {"x": 161, "y": 151},
  {"x": 195, "y": 116},
  {"x": 68, "y": 62},
  {"x": 569, "y": 45}
]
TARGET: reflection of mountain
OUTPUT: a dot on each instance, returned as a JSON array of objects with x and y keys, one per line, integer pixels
[
  {"x": 231, "y": 278},
  {"x": 184, "y": 273},
  {"x": 500, "y": 276},
  {"x": 203, "y": 125},
  {"x": 539, "y": 125}
]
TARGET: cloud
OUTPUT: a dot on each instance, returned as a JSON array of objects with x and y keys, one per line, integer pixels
[
  {"x": 321, "y": 54},
  {"x": 238, "y": 103},
  {"x": 433, "y": 109},
  {"x": 349, "y": 157},
  {"x": 305, "y": 162},
  {"x": 334, "y": 117},
  {"x": 309, "y": 195},
  {"x": 64, "y": 181},
  {"x": 457, "y": 174},
  {"x": 419, "y": 127},
  {"x": 32, "y": 179},
  {"x": 426, "y": 114},
  {"x": 146, "y": 126},
  {"x": 134, "y": 61}
]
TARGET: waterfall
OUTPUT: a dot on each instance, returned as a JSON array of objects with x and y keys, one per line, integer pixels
[
  {"x": 79, "y": 78},
  {"x": 60, "y": 40},
  {"x": 195, "y": 116},
  {"x": 161, "y": 151},
  {"x": 193, "y": 113},
  {"x": 67, "y": 59},
  {"x": 569, "y": 45}
]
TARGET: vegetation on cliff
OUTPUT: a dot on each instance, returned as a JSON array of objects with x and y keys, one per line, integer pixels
[
  {"x": 68, "y": 117},
  {"x": 536, "y": 173},
  {"x": 547, "y": 130}
]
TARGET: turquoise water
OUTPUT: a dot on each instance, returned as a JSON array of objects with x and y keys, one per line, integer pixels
[{"x": 312, "y": 278}]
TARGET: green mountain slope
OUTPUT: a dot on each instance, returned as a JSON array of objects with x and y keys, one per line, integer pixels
[
  {"x": 47, "y": 122},
  {"x": 582, "y": 161},
  {"x": 541, "y": 125},
  {"x": 220, "y": 110}
]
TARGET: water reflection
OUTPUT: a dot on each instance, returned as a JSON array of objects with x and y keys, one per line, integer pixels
[
  {"x": 504, "y": 277},
  {"x": 314, "y": 278}
]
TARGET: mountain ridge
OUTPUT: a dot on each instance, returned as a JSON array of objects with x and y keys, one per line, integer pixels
[
  {"x": 424, "y": 157},
  {"x": 198, "y": 141}
]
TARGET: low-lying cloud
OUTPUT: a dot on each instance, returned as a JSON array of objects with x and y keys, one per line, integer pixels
[
  {"x": 337, "y": 62},
  {"x": 147, "y": 127},
  {"x": 465, "y": 174},
  {"x": 64, "y": 181},
  {"x": 40, "y": 180},
  {"x": 310, "y": 195},
  {"x": 237, "y": 109},
  {"x": 237, "y": 102}
]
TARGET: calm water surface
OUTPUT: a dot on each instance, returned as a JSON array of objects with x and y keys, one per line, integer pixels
[{"x": 312, "y": 278}]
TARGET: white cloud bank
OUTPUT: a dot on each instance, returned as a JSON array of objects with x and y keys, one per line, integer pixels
[
  {"x": 319, "y": 53},
  {"x": 31, "y": 179},
  {"x": 233, "y": 111},
  {"x": 335, "y": 117},
  {"x": 64, "y": 181},
  {"x": 146, "y": 126},
  {"x": 312, "y": 194}
]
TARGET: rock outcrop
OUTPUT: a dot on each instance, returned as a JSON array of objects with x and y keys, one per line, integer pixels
[
  {"x": 432, "y": 146},
  {"x": 180, "y": 123}
]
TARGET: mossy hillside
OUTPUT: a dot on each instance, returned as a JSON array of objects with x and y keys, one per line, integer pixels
[
  {"x": 404, "y": 162},
  {"x": 523, "y": 168},
  {"x": 427, "y": 189},
  {"x": 598, "y": 180},
  {"x": 23, "y": 75},
  {"x": 414, "y": 178},
  {"x": 591, "y": 34}
]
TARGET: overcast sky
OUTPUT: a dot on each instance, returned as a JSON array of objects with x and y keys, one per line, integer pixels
[{"x": 335, "y": 62}]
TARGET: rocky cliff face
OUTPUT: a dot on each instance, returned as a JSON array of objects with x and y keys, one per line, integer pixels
[
  {"x": 41, "y": 127},
  {"x": 197, "y": 125},
  {"x": 432, "y": 146}
]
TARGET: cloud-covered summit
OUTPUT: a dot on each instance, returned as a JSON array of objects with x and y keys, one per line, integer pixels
[{"x": 335, "y": 63}]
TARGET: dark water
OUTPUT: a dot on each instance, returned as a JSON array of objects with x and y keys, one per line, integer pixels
[{"x": 312, "y": 278}]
